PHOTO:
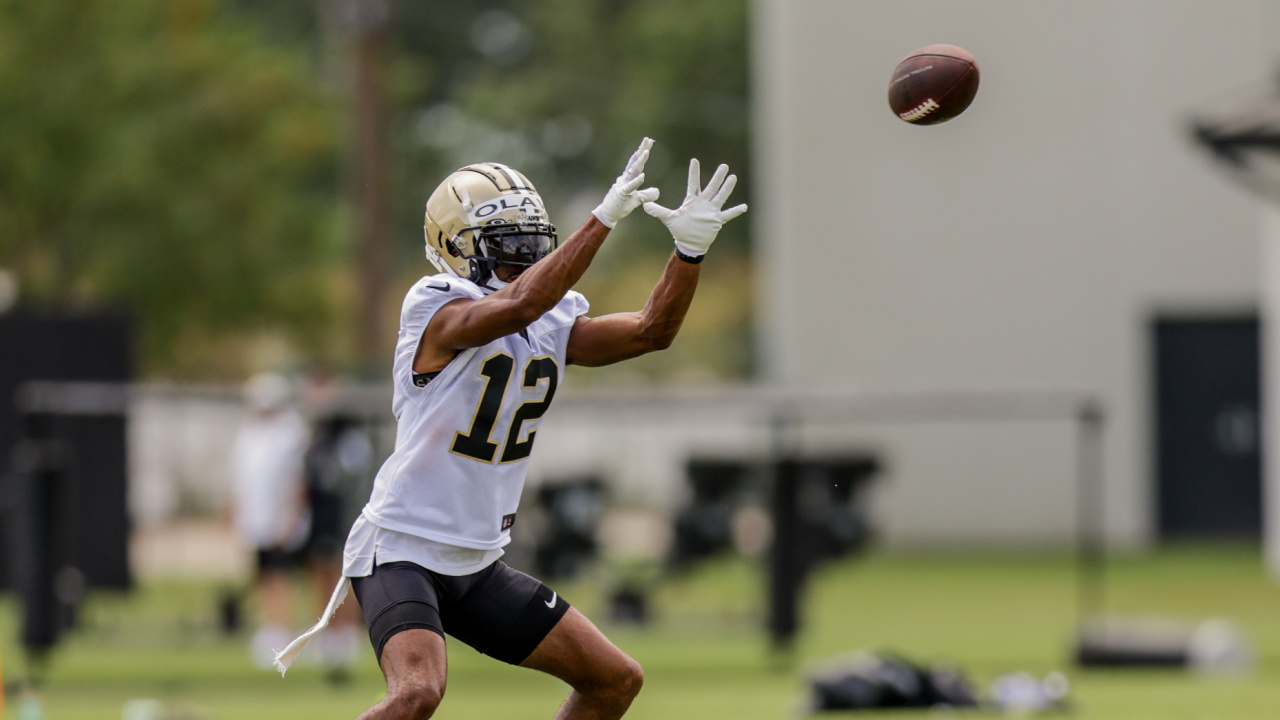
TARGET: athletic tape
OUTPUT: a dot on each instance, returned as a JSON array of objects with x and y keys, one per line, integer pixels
[{"x": 285, "y": 657}]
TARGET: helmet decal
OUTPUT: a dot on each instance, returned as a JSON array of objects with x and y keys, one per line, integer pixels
[{"x": 528, "y": 205}]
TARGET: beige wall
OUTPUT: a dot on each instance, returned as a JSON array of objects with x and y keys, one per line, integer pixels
[{"x": 1027, "y": 243}]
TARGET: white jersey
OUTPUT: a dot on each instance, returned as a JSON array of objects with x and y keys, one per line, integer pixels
[
  {"x": 267, "y": 483},
  {"x": 463, "y": 437}
]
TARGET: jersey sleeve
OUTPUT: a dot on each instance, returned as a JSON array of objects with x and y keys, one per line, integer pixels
[
  {"x": 580, "y": 305},
  {"x": 424, "y": 300},
  {"x": 562, "y": 322},
  {"x": 420, "y": 305}
]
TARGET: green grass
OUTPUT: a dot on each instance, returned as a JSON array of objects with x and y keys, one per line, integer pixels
[{"x": 704, "y": 655}]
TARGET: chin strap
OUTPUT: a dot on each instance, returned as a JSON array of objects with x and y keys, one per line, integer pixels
[
  {"x": 481, "y": 269},
  {"x": 481, "y": 266}
]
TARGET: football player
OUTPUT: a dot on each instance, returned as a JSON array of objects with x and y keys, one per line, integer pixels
[{"x": 481, "y": 351}]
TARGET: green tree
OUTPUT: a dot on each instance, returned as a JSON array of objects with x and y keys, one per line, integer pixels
[
  {"x": 161, "y": 155},
  {"x": 672, "y": 69},
  {"x": 564, "y": 90},
  {"x": 184, "y": 157}
]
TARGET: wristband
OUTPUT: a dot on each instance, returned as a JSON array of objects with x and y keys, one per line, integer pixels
[{"x": 691, "y": 259}]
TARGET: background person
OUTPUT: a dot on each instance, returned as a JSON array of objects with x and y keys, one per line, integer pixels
[
  {"x": 267, "y": 503},
  {"x": 335, "y": 466}
]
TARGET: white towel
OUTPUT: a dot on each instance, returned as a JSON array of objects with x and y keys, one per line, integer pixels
[{"x": 285, "y": 657}]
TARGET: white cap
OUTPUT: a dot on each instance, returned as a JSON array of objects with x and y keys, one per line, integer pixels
[{"x": 267, "y": 391}]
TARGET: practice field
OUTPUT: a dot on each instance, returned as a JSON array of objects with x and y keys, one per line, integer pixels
[{"x": 704, "y": 655}]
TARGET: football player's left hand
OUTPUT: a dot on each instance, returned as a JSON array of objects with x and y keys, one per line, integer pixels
[
  {"x": 625, "y": 195},
  {"x": 698, "y": 220}
]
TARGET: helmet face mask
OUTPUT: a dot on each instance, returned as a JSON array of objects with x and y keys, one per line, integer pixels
[
  {"x": 517, "y": 244},
  {"x": 484, "y": 216}
]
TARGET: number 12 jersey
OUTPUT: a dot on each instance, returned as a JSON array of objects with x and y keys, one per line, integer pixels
[{"x": 463, "y": 437}]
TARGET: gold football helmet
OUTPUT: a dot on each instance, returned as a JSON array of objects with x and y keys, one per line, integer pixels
[{"x": 486, "y": 215}]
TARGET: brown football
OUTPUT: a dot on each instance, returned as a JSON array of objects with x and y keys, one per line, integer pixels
[{"x": 933, "y": 84}]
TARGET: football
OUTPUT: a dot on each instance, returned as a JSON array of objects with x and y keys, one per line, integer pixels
[{"x": 933, "y": 84}]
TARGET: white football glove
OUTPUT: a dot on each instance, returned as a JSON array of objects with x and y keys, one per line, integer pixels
[
  {"x": 698, "y": 220},
  {"x": 624, "y": 196}
]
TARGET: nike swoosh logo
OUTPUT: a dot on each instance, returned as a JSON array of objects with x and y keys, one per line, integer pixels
[
  {"x": 438, "y": 286},
  {"x": 552, "y": 602}
]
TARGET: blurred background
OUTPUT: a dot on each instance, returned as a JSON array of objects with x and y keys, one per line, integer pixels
[{"x": 964, "y": 415}]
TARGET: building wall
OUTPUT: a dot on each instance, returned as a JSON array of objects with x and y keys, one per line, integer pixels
[{"x": 1027, "y": 243}]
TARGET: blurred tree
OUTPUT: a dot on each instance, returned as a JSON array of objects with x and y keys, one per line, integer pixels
[
  {"x": 565, "y": 90},
  {"x": 162, "y": 155},
  {"x": 184, "y": 159}
]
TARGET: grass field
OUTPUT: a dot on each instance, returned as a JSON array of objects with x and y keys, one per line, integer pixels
[{"x": 704, "y": 654}]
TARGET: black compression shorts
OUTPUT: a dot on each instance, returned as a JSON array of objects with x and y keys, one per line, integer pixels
[
  {"x": 499, "y": 611},
  {"x": 270, "y": 559}
]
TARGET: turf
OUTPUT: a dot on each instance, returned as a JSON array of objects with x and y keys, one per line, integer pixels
[{"x": 704, "y": 654}]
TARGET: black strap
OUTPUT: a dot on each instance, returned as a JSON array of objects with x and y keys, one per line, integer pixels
[{"x": 691, "y": 259}]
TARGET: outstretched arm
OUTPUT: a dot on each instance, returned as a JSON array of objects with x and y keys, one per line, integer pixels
[
  {"x": 472, "y": 323},
  {"x": 612, "y": 338},
  {"x": 694, "y": 226}
]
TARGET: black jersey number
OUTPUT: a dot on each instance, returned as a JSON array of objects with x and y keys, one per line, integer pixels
[
  {"x": 497, "y": 371},
  {"x": 475, "y": 444},
  {"x": 538, "y": 369}
]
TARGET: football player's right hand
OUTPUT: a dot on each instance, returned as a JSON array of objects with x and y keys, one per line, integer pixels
[
  {"x": 625, "y": 195},
  {"x": 698, "y": 220}
]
